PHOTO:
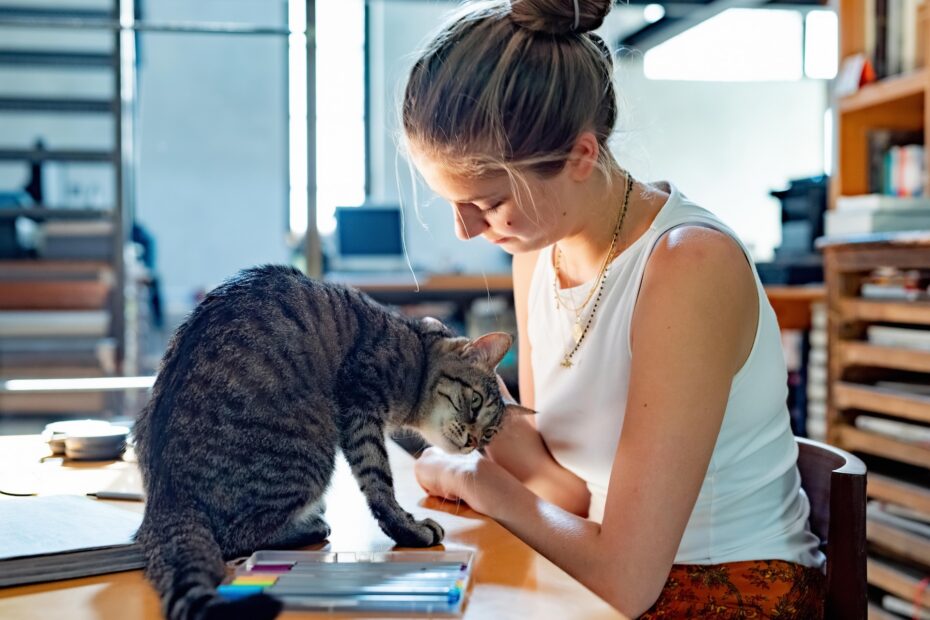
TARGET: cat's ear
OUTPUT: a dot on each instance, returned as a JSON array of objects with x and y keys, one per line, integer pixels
[
  {"x": 489, "y": 350},
  {"x": 517, "y": 409},
  {"x": 433, "y": 325}
]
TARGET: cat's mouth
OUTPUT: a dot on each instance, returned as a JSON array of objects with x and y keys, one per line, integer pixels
[{"x": 461, "y": 448}]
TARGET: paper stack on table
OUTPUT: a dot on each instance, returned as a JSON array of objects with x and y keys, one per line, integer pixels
[{"x": 55, "y": 537}]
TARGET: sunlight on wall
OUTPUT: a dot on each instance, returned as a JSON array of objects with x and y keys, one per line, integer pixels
[{"x": 736, "y": 45}]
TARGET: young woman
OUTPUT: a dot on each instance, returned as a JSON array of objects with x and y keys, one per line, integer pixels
[{"x": 660, "y": 470}]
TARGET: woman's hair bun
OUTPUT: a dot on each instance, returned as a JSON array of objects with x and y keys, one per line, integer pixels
[{"x": 558, "y": 16}]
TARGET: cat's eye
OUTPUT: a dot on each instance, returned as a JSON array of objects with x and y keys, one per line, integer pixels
[{"x": 476, "y": 401}]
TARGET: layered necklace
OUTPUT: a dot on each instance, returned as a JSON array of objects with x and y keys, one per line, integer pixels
[{"x": 579, "y": 327}]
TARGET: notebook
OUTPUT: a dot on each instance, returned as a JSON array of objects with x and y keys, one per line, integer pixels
[
  {"x": 407, "y": 582},
  {"x": 55, "y": 537}
]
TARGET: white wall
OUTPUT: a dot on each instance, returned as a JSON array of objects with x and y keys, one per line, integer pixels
[
  {"x": 212, "y": 182},
  {"x": 396, "y": 30},
  {"x": 726, "y": 145}
]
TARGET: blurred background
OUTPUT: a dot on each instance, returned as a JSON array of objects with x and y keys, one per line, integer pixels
[{"x": 149, "y": 149}]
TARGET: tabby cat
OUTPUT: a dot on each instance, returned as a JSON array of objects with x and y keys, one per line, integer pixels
[{"x": 265, "y": 380}]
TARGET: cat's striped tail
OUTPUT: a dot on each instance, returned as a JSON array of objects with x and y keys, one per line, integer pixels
[{"x": 185, "y": 564}]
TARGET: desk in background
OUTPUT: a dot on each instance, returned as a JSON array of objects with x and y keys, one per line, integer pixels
[
  {"x": 792, "y": 304},
  {"x": 403, "y": 289},
  {"x": 511, "y": 580}
]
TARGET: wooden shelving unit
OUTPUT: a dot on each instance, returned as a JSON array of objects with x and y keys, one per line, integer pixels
[
  {"x": 897, "y": 102},
  {"x": 899, "y": 468},
  {"x": 895, "y": 92},
  {"x": 46, "y": 297}
]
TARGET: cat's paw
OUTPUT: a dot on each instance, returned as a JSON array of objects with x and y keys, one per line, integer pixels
[
  {"x": 425, "y": 533},
  {"x": 301, "y": 534},
  {"x": 310, "y": 536}
]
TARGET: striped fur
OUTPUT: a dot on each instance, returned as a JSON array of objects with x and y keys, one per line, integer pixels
[{"x": 269, "y": 376}]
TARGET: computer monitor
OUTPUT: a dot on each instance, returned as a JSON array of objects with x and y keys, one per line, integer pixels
[{"x": 369, "y": 238}]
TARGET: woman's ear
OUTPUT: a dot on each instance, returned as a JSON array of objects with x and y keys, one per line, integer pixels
[{"x": 582, "y": 159}]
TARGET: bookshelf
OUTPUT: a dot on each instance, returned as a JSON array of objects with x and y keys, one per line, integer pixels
[
  {"x": 867, "y": 381},
  {"x": 867, "y": 378},
  {"x": 895, "y": 102},
  {"x": 898, "y": 92},
  {"x": 65, "y": 305}
]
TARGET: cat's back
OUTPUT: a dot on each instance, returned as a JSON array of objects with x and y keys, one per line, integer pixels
[
  {"x": 268, "y": 304},
  {"x": 268, "y": 338}
]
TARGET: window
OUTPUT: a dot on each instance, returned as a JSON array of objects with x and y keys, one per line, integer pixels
[
  {"x": 340, "y": 110},
  {"x": 821, "y": 47},
  {"x": 749, "y": 45}
]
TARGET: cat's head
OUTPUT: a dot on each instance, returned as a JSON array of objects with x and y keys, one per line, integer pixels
[{"x": 463, "y": 408}]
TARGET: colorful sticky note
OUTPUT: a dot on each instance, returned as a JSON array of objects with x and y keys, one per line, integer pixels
[{"x": 233, "y": 592}]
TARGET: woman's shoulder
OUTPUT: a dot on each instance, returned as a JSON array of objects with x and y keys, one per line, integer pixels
[
  {"x": 695, "y": 262},
  {"x": 696, "y": 241}
]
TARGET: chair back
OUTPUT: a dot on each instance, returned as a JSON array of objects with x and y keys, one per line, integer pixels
[{"x": 834, "y": 481}]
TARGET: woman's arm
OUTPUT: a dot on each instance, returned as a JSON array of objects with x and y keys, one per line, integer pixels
[
  {"x": 518, "y": 447},
  {"x": 694, "y": 326}
]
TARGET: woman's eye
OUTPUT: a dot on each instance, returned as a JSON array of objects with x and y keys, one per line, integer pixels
[
  {"x": 494, "y": 206},
  {"x": 488, "y": 434}
]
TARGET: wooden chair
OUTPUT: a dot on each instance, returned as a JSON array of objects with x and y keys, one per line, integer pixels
[{"x": 834, "y": 481}]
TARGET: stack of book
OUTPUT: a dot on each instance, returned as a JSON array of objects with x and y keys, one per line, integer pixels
[
  {"x": 817, "y": 374},
  {"x": 899, "y": 337},
  {"x": 896, "y": 162},
  {"x": 64, "y": 536},
  {"x": 876, "y": 213},
  {"x": 902, "y": 431},
  {"x": 893, "y": 37},
  {"x": 74, "y": 239},
  {"x": 55, "y": 323},
  {"x": 903, "y": 169},
  {"x": 900, "y": 539},
  {"x": 891, "y": 283}
]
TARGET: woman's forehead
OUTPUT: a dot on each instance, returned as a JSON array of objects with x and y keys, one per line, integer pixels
[{"x": 447, "y": 180}]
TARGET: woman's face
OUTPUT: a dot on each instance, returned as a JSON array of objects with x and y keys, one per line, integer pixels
[{"x": 519, "y": 221}]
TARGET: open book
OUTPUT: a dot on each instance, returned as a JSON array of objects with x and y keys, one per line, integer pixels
[{"x": 65, "y": 536}]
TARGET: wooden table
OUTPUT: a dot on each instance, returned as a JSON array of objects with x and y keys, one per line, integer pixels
[
  {"x": 511, "y": 580},
  {"x": 792, "y": 304}
]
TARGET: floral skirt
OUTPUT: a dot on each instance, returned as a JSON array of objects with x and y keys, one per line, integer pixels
[{"x": 755, "y": 589}]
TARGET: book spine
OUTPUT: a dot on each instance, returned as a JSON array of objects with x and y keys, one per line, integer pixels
[
  {"x": 869, "y": 23},
  {"x": 909, "y": 36},
  {"x": 893, "y": 38},
  {"x": 879, "y": 61},
  {"x": 877, "y": 144}
]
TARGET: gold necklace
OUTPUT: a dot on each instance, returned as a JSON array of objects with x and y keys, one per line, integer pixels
[{"x": 579, "y": 331}]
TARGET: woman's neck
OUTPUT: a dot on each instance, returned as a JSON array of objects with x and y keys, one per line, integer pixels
[{"x": 582, "y": 253}]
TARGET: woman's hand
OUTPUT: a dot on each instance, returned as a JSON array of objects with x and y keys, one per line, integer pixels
[{"x": 450, "y": 476}]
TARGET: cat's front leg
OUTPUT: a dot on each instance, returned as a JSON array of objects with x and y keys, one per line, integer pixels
[{"x": 366, "y": 454}]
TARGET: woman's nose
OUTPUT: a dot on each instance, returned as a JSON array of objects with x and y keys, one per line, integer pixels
[{"x": 469, "y": 222}]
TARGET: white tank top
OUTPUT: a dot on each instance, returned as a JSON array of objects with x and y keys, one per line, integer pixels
[{"x": 751, "y": 505}]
